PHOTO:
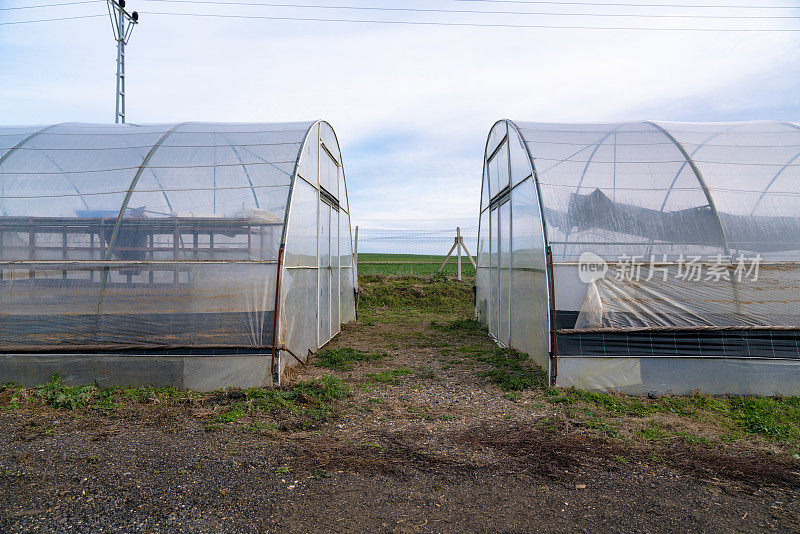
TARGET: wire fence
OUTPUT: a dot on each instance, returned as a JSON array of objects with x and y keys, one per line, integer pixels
[{"x": 416, "y": 252}]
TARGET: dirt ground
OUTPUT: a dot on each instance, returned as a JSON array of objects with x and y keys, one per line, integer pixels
[{"x": 425, "y": 442}]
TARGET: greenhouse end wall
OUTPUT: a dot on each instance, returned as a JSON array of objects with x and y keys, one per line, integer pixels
[
  {"x": 318, "y": 282},
  {"x": 645, "y": 203},
  {"x": 148, "y": 254}
]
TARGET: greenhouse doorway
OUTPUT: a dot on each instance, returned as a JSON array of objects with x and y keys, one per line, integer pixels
[
  {"x": 500, "y": 258},
  {"x": 329, "y": 237}
]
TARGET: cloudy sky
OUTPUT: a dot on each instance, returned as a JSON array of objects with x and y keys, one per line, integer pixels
[{"x": 411, "y": 103}]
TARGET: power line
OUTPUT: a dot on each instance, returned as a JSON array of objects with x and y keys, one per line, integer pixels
[
  {"x": 412, "y": 23},
  {"x": 50, "y": 20},
  {"x": 475, "y": 11},
  {"x": 467, "y": 24},
  {"x": 628, "y": 4},
  {"x": 50, "y": 5}
]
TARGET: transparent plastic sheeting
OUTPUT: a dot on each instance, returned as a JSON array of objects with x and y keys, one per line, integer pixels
[
  {"x": 647, "y": 192},
  {"x": 668, "y": 301},
  {"x": 645, "y": 188},
  {"x": 132, "y": 236},
  {"x": 511, "y": 279},
  {"x": 318, "y": 284}
]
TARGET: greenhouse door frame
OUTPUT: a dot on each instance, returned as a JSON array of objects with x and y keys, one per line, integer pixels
[
  {"x": 328, "y": 272},
  {"x": 500, "y": 230}
]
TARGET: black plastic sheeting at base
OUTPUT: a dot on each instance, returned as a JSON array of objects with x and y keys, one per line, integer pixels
[
  {"x": 48, "y": 333},
  {"x": 709, "y": 343}
]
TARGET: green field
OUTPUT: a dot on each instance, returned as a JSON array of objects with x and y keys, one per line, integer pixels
[{"x": 410, "y": 264}]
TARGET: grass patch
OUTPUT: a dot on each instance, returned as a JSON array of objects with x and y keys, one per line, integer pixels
[
  {"x": 599, "y": 424},
  {"x": 232, "y": 415},
  {"x": 57, "y": 395},
  {"x": 371, "y": 264},
  {"x": 341, "y": 359},
  {"x": 155, "y": 395},
  {"x": 302, "y": 406},
  {"x": 511, "y": 370},
  {"x": 391, "y": 376},
  {"x": 773, "y": 418},
  {"x": 11, "y": 396},
  {"x": 468, "y": 326},
  {"x": 402, "y": 296},
  {"x": 653, "y": 433}
]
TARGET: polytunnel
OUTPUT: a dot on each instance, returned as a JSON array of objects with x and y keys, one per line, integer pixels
[
  {"x": 198, "y": 255},
  {"x": 645, "y": 257}
]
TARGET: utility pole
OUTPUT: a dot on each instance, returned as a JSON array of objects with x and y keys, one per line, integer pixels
[{"x": 122, "y": 23}]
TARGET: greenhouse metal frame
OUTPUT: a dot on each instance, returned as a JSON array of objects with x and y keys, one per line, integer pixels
[
  {"x": 198, "y": 255},
  {"x": 645, "y": 257}
]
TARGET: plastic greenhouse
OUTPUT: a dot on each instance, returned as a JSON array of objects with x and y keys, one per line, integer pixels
[
  {"x": 197, "y": 255},
  {"x": 645, "y": 257}
]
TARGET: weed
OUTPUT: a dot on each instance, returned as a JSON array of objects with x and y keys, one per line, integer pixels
[
  {"x": 261, "y": 427},
  {"x": 469, "y": 326},
  {"x": 58, "y": 395},
  {"x": 598, "y": 424},
  {"x": 776, "y": 418},
  {"x": 771, "y": 418},
  {"x": 233, "y": 415},
  {"x": 653, "y": 433},
  {"x": 104, "y": 401},
  {"x": 11, "y": 396},
  {"x": 391, "y": 376},
  {"x": 340, "y": 359},
  {"x": 306, "y": 403},
  {"x": 512, "y": 370},
  {"x": 154, "y": 394}
]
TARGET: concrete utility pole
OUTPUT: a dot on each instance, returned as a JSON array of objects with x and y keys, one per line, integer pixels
[{"x": 122, "y": 23}]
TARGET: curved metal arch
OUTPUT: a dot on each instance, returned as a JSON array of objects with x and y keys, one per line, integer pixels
[
  {"x": 548, "y": 257},
  {"x": 580, "y": 150},
  {"x": 25, "y": 140},
  {"x": 287, "y": 215},
  {"x": 155, "y": 177},
  {"x": 134, "y": 182},
  {"x": 597, "y": 145},
  {"x": 485, "y": 170},
  {"x": 534, "y": 175},
  {"x": 244, "y": 168},
  {"x": 340, "y": 162},
  {"x": 484, "y": 179},
  {"x": 683, "y": 166},
  {"x": 288, "y": 209},
  {"x": 295, "y": 174},
  {"x": 778, "y": 174},
  {"x": 700, "y": 180},
  {"x": 112, "y": 241},
  {"x": 57, "y": 166}
]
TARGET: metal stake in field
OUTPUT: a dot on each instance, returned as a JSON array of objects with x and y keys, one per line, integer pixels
[
  {"x": 122, "y": 23},
  {"x": 458, "y": 244}
]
